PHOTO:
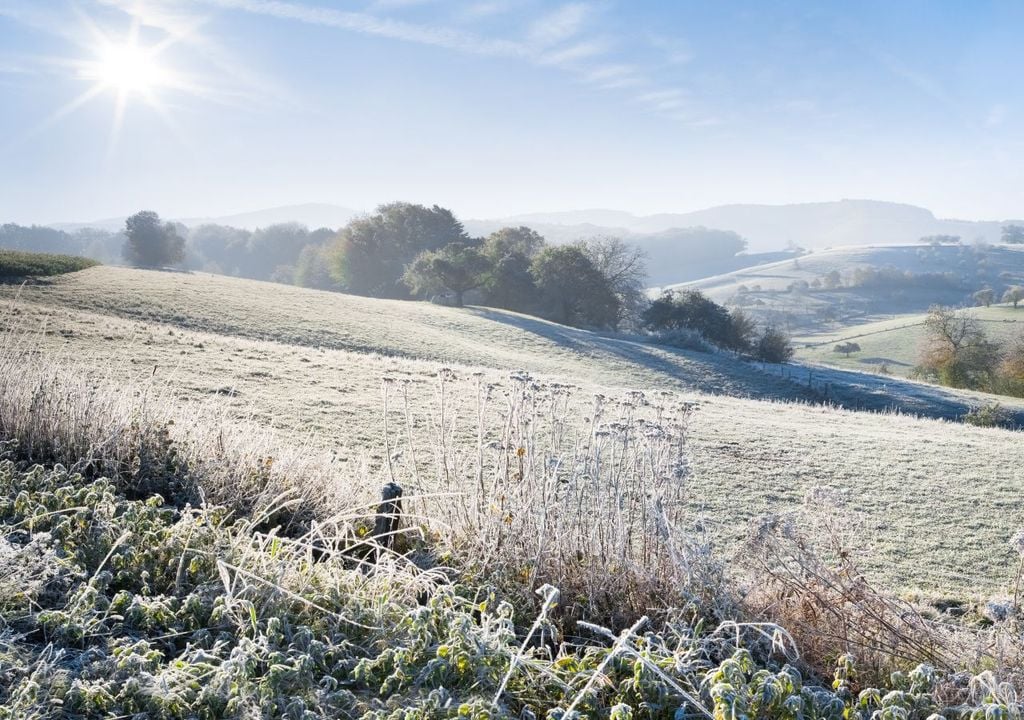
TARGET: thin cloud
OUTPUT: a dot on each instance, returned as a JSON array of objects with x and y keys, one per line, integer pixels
[
  {"x": 673, "y": 50},
  {"x": 919, "y": 80},
  {"x": 996, "y": 116},
  {"x": 574, "y": 53},
  {"x": 556, "y": 39},
  {"x": 560, "y": 25},
  {"x": 373, "y": 25},
  {"x": 615, "y": 76},
  {"x": 484, "y": 9}
]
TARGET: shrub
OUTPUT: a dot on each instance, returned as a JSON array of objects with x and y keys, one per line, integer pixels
[
  {"x": 846, "y": 348},
  {"x": 774, "y": 346},
  {"x": 684, "y": 339},
  {"x": 694, "y": 311},
  {"x": 989, "y": 415}
]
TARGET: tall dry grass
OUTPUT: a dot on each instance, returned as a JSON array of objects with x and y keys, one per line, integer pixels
[
  {"x": 131, "y": 428},
  {"x": 555, "y": 485},
  {"x": 521, "y": 482}
]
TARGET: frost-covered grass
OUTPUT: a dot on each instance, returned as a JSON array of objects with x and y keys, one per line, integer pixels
[
  {"x": 172, "y": 558},
  {"x": 906, "y": 481},
  {"x": 113, "y": 607}
]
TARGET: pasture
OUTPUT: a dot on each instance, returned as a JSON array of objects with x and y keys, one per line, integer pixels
[
  {"x": 895, "y": 343},
  {"x": 309, "y": 367}
]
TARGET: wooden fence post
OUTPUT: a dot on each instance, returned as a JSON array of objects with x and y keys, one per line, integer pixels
[{"x": 389, "y": 513}]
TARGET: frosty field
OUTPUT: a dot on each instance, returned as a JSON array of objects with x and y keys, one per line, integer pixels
[{"x": 308, "y": 366}]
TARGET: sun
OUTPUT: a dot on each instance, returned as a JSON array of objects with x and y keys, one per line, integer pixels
[{"x": 127, "y": 68}]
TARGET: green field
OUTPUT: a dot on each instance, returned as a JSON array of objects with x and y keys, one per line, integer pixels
[
  {"x": 893, "y": 345},
  {"x": 309, "y": 366}
]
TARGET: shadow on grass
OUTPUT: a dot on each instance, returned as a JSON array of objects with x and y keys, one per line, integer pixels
[{"x": 707, "y": 372}]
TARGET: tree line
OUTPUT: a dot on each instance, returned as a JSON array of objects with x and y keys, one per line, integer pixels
[{"x": 410, "y": 251}]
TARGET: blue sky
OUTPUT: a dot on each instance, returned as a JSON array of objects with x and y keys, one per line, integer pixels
[{"x": 493, "y": 107}]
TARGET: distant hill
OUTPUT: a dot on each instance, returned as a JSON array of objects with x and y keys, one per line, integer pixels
[
  {"x": 312, "y": 215},
  {"x": 773, "y": 227}
]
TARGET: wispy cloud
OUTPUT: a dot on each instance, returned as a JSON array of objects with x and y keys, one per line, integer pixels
[
  {"x": 560, "y": 25},
  {"x": 483, "y": 9},
  {"x": 671, "y": 99},
  {"x": 615, "y": 76},
  {"x": 921, "y": 81},
  {"x": 570, "y": 55},
  {"x": 673, "y": 50},
  {"x": 567, "y": 37},
  {"x": 16, "y": 67},
  {"x": 370, "y": 24}
]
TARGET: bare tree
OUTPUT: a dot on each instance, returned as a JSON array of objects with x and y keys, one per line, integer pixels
[
  {"x": 624, "y": 267},
  {"x": 1014, "y": 294}
]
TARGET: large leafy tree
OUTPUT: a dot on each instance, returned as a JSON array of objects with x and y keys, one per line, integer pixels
[
  {"x": 571, "y": 290},
  {"x": 370, "y": 254},
  {"x": 311, "y": 269},
  {"x": 514, "y": 240},
  {"x": 457, "y": 268},
  {"x": 151, "y": 242},
  {"x": 510, "y": 284}
]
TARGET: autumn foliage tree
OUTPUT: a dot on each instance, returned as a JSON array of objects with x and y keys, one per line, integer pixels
[{"x": 956, "y": 350}]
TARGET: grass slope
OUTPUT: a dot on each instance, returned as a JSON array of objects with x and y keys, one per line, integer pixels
[
  {"x": 310, "y": 365},
  {"x": 896, "y": 342}
]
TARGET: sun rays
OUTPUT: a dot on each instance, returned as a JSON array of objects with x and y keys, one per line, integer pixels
[{"x": 131, "y": 68}]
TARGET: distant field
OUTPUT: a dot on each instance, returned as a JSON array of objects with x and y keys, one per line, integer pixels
[
  {"x": 895, "y": 343},
  {"x": 17, "y": 264},
  {"x": 310, "y": 365},
  {"x": 763, "y": 290}
]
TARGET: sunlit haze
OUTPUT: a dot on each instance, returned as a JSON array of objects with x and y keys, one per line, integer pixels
[{"x": 494, "y": 107}]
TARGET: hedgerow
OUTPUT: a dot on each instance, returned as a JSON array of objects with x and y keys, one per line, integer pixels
[{"x": 16, "y": 263}]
